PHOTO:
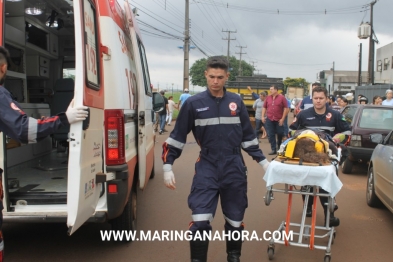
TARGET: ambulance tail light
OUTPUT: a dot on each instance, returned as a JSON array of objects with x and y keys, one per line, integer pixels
[
  {"x": 356, "y": 140},
  {"x": 114, "y": 137}
]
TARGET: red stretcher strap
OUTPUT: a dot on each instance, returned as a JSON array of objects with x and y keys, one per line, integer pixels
[{"x": 288, "y": 219}]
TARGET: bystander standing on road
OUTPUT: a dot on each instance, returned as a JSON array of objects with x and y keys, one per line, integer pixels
[
  {"x": 338, "y": 100},
  {"x": 333, "y": 103},
  {"x": 377, "y": 101},
  {"x": 258, "y": 105},
  {"x": 343, "y": 102},
  {"x": 171, "y": 106},
  {"x": 253, "y": 94},
  {"x": 363, "y": 100},
  {"x": 389, "y": 100},
  {"x": 276, "y": 109},
  {"x": 359, "y": 96},
  {"x": 163, "y": 113},
  {"x": 220, "y": 123},
  {"x": 183, "y": 97},
  {"x": 307, "y": 101}
]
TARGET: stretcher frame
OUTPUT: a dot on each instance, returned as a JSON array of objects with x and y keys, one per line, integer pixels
[{"x": 305, "y": 231}]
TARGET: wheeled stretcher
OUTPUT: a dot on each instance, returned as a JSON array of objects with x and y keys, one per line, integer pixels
[{"x": 309, "y": 175}]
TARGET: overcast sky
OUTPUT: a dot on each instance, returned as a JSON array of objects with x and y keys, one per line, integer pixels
[{"x": 285, "y": 38}]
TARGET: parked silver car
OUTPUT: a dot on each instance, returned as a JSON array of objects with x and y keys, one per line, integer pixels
[{"x": 380, "y": 172}]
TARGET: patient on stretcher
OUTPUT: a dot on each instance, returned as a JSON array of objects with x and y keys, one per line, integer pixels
[{"x": 305, "y": 150}]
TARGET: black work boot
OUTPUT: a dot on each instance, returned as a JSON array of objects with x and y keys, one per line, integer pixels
[
  {"x": 234, "y": 248},
  {"x": 198, "y": 250},
  {"x": 333, "y": 221}
]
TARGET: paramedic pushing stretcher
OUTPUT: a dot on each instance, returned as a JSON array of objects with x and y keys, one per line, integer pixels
[
  {"x": 329, "y": 121},
  {"x": 17, "y": 125},
  {"x": 220, "y": 124}
]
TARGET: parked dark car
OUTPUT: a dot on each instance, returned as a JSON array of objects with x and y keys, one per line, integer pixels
[
  {"x": 365, "y": 120},
  {"x": 380, "y": 173}
]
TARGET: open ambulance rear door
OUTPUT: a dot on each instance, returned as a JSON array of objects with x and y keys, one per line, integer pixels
[
  {"x": 145, "y": 104},
  {"x": 86, "y": 139}
]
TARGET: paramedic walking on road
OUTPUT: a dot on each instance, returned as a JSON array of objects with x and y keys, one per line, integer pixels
[
  {"x": 329, "y": 121},
  {"x": 17, "y": 125},
  {"x": 276, "y": 109},
  {"x": 220, "y": 124}
]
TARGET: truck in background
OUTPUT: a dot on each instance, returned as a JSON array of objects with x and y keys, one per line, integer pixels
[{"x": 258, "y": 83}]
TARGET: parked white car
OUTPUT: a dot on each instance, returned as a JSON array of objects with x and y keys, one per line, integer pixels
[{"x": 380, "y": 172}]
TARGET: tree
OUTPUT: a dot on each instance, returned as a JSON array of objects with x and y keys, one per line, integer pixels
[
  {"x": 296, "y": 82},
  {"x": 197, "y": 70}
]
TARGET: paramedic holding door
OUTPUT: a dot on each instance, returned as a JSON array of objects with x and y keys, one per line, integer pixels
[
  {"x": 17, "y": 125},
  {"x": 220, "y": 124},
  {"x": 327, "y": 120}
]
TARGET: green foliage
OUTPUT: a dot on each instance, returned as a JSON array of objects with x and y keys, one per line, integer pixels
[
  {"x": 296, "y": 82},
  {"x": 197, "y": 70}
]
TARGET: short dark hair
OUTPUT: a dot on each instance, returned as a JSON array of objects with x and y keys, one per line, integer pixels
[
  {"x": 217, "y": 62},
  {"x": 316, "y": 84},
  {"x": 5, "y": 57},
  {"x": 275, "y": 87},
  {"x": 344, "y": 100},
  {"x": 319, "y": 89},
  {"x": 263, "y": 93}
]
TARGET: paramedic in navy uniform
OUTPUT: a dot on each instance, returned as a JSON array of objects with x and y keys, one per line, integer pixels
[
  {"x": 329, "y": 121},
  {"x": 220, "y": 124},
  {"x": 17, "y": 125}
]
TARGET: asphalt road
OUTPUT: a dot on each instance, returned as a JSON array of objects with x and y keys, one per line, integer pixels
[{"x": 365, "y": 233}]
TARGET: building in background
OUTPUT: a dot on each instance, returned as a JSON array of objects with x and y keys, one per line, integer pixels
[
  {"x": 384, "y": 65},
  {"x": 344, "y": 81}
]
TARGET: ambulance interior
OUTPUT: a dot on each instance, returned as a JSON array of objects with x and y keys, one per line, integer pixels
[{"x": 40, "y": 38}]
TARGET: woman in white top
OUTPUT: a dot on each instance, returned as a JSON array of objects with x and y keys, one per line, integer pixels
[
  {"x": 171, "y": 106},
  {"x": 388, "y": 101},
  {"x": 258, "y": 105}
]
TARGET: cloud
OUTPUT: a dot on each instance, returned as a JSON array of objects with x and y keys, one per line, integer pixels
[{"x": 299, "y": 45}]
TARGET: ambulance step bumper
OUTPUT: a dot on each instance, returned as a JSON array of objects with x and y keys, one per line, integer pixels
[{"x": 98, "y": 217}]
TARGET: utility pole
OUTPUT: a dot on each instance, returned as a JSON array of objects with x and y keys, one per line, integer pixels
[
  {"x": 333, "y": 78},
  {"x": 360, "y": 66},
  {"x": 253, "y": 66},
  {"x": 240, "y": 62},
  {"x": 187, "y": 47},
  {"x": 371, "y": 47},
  {"x": 229, "y": 40}
]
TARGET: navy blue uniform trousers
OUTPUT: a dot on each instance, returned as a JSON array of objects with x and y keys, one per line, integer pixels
[{"x": 221, "y": 175}]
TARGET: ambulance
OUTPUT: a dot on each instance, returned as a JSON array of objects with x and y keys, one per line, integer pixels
[{"x": 90, "y": 51}]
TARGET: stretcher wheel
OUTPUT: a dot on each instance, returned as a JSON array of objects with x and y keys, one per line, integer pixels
[
  {"x": 326, "y": 258},
  {"x": 270, "y": 253},
  {"x": 268, "y": 196}
]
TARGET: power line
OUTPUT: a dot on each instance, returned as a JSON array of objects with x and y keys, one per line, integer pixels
[{"x": 277, "y": 11}]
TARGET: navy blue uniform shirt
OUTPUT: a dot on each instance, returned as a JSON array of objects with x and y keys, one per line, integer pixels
[
  {"x": 331, "y": 122},
  {"x": 216, "y": 123}
]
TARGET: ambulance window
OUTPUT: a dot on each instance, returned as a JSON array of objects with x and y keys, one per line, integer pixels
[
  {"x": 91, "y": 47},
  {"x": 145, "y": 69}
]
